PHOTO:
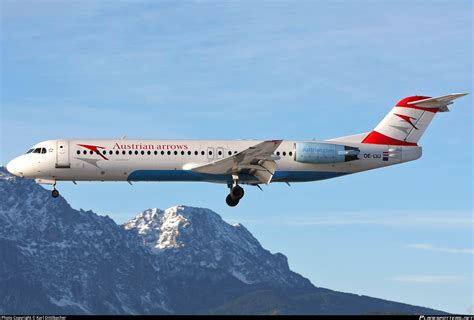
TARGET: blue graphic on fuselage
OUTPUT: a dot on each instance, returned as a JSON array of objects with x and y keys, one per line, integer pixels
[{"x": 188, "y": 175}]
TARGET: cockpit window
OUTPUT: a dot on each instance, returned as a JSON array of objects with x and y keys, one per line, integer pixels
[
  {"x": 37, "y": 150},
  {"x": 29, "y": 151}
]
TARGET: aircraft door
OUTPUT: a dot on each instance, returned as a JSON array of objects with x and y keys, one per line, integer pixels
[{"x": 62, "y": 154}]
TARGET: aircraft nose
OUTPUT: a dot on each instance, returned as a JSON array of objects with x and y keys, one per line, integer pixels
[{"x": 14, "y": 167}]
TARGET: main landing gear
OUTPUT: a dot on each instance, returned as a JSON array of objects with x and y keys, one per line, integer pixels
[{"x": 236, "y": 193}]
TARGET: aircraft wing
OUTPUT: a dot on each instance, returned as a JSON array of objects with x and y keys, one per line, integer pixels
[{"x": 257, "y": 160}]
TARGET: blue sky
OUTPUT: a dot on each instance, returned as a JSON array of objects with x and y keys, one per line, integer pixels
[{"x": 267, "y": 70}]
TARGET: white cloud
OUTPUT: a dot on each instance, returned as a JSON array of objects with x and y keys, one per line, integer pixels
[
  {"x": 430, "y": 247},
  {"x": 429, "y": 278}
]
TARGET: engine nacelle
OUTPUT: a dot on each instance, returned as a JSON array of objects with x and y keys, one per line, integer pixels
[{"x": 323, "y": 153}]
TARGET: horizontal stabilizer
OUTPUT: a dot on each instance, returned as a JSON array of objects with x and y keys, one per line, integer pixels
[{"x": 439, "y": 103}]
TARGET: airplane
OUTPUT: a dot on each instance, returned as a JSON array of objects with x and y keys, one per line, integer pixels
[{"x": 234, "y": 163}]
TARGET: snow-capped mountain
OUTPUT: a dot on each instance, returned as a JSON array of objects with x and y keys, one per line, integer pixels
[
  {"x": 188, "y": 237},
  {"x": 58, "y": 260},
  {"x": 54, "y": 259}
]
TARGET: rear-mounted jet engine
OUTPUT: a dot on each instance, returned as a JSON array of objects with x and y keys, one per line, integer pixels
[{"x": 323, "y": 153}]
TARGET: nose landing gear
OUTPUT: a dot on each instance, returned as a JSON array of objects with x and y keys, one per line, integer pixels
[
  {"x": 55, "y": 192},
  {"x": 236, "y": 193}
]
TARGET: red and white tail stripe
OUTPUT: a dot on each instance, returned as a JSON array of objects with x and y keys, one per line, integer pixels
[{"x": 408, "y": 120}]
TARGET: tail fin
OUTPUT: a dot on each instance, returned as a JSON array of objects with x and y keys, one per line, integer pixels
[{"x": 408, "y": 120}]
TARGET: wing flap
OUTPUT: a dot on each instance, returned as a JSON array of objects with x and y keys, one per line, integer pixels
[{"x": 263, "y": 177}]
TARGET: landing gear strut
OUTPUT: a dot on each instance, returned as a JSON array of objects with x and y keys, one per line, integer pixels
[
  {"x": 54, "y": 193},
  {"x": 236, "y": 193}
]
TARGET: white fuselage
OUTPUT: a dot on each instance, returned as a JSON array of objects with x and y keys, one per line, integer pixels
[
  {"x": 173, "y": 160},
  {"x": 393, "y": 141}
]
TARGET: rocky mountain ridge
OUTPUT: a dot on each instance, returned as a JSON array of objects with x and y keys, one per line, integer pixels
[{"x": 182, "y": 260}]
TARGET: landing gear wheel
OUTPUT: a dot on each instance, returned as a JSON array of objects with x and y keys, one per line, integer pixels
[
  {"x": 231, "y": 202},
  {"x": 55, "y": 193},
  {"x": 237, "y": 192}
]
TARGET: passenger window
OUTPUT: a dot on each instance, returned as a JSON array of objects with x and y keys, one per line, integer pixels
[
  {"x": 284, "y": 153},
  {"x": 91, "y": 152},
  {"x": 219, "y": 153},
  {"x": 169, "y": 152},
  {"x": 136, "y": 152},
  {"x": 162, "y": 153},
  {"x": 290, "y": 153},
  {"x": 202, "y": 152},
  {"x": 84, "y": 152},
  {"x": 210, "y": 152},
  {"x": 130, "y": 152},
  {"x": 104, "y": 151},
  {"x": 117, "y": 152},
  {"x": 278, "y": 153},
  {"x": 189, "y": 153},
  {"x": 182, "y": 153},
  {"x": 123, "y": 152},
  {"x": 176, "y": 152},
  {"x": 143, "y": 152},
  {"x": 196, "y": 153},
  {"x": 156, "y": 152},
  {"x": 110, "y": 152},
  {"x": 230, "y": 153},
  {"x": 148, "y": 152},
  {"x": 78, "y": 152}
]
